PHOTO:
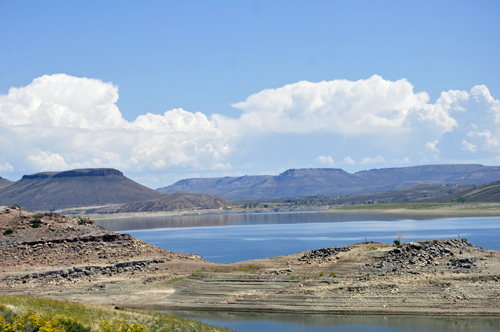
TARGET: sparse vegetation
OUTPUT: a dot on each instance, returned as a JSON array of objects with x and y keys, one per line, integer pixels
[
  {"x": 171, "y": 281},
  {"x": 249, "y": 268},
  {"x": 8, "y": 231}
]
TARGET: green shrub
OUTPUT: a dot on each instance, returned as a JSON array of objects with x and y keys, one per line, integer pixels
[
  {"x": 333, "y": 275},
  {"x": 35, "y": 225},
  {"x": 72, "y": 326},
  {"x": 39, "y": 215},
  {"x": 8, "y": 231},
  {"x": 397, "y": 243}
]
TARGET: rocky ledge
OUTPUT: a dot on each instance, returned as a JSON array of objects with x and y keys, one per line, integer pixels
[
  {"x": 325, "y": 254},
  {"x": 44, "y": 249},
  {"x": 428, "y": 254}
]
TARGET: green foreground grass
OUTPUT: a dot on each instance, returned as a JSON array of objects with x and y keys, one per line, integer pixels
[{"x": 93, "y": 316}]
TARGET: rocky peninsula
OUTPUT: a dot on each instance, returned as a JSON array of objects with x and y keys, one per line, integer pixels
[{"x": 52, "y": 256}]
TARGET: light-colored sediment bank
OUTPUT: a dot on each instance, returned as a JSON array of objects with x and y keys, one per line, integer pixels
[
  {"x": 455, "y": 210},
  {"x": 229, "y": 210},
  {"x": 78, "y": 261},
  {"x": 409, "y": 209}
]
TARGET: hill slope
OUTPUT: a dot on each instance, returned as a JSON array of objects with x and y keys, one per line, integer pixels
[
  {"x": 488, "y": 192},
  {"x": 175, "y": 202},
  {"x": 83, "y": 187},
  {"x": 215, "y": 186},
  {"x": 333, "y": 181},
  {"x": 5, "y": 182}
]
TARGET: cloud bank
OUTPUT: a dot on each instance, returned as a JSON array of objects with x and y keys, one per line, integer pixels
[
  {"x": 344, "y": 107},
  {"x": 60, "y": 122}
]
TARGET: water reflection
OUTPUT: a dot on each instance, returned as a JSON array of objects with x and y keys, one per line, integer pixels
[
  {"x": 140, "y": 223},
  {"x": 300, "y": 322}
]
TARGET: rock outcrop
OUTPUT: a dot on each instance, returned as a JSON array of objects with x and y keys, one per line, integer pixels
[
  {"x": 63, "y": 249},
  {"x": 325, "y": 254},
  {"x": 427, "y": 253}
]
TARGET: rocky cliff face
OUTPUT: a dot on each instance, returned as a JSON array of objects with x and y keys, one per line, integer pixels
[{"x": 90, "y": 172}]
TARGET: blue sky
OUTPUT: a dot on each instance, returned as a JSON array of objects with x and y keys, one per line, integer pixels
[{"x": 168, "y": 90}]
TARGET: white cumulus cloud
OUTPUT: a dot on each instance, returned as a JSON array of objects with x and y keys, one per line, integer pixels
[
  {"x": 60, "y": 121},
  {"x": 431, "y": 146},
  {"x": 369, "y": 160},
  {"x": 326, "y": 160},
  {"x": 47, "y": 161},
  {"x": 6, "y": 168},
  {"x": 349, "y": 161},
  {"x": 361, "y": 107},
  {"x": 339, "y": 106},
  {"x": 405, "y": 160},
  {"x": 62, "y": 101},
  {"x": 466, "y": 146},
  {"x": 490, "y": 141}
]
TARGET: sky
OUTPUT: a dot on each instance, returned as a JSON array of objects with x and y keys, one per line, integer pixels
[{"x": 165, "y": 90}]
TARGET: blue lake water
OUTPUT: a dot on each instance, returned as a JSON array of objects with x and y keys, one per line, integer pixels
[
  {"x": 239, "y": 237},
  {"x": 270, "y": 322}
]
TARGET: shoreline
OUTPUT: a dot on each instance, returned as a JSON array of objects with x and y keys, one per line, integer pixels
[
  {"x": 72, "y": 259},
  {"x": 415, "y": 212},
  {"x": 478, "y": 209}
]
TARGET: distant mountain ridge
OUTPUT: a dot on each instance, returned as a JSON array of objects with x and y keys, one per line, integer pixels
[
  {"x": 82, "y": 187},
  {"x": 334, "y": 181}
]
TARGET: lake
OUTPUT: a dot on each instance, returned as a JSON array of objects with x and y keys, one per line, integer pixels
[
  {"x": 239, "y": 237},
  {"x": 230, "y": 238}
]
